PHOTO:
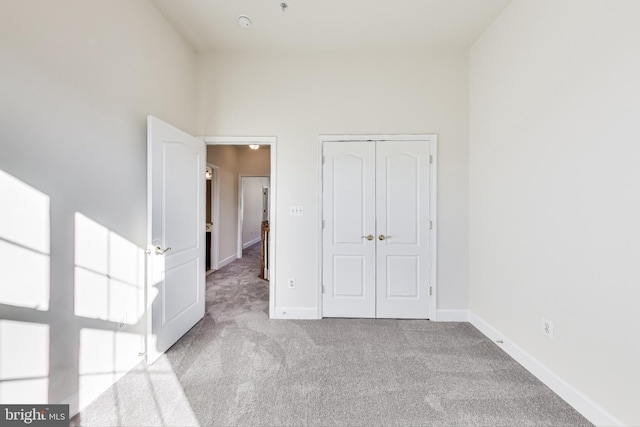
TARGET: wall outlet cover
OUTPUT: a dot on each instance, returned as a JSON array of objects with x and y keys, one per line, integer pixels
[{"x": 547, "y": 327}]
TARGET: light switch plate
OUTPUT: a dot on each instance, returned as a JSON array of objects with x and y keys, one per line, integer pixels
[{"x": 296, "y": 210}]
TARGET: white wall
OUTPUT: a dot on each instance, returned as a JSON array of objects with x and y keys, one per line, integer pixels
[
  {"x": 252, "y": 208},
  {"x": 78, "y": 79},
  {"x": 554, "y": 201},
  {"x": 298, "y": 96}
]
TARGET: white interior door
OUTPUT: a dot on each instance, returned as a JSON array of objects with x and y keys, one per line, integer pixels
[
  {"x": 349, "y": 215},
  {"x": 402, "y": 227},
  {"x": 378, "y": 189},
  {"x": 176, "y": 234}
]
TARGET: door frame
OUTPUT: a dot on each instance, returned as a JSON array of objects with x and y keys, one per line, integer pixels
[
  {"x": 271, "y": 141},
  {"x": 433, "y": 198},
  {"x": 215, "y": 217}
]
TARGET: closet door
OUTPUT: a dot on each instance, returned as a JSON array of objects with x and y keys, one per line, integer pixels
[
  {"x": 349, "y": 243},
  {"x": 402, "y": 229}
]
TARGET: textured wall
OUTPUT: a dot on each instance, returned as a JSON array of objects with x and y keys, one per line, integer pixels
[
  {"x": 297, "y": 97},
  {"x": 554, "y": 205},
  {"x": 78, "y": 79}
]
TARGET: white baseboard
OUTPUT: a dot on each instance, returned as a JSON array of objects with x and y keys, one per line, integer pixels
[
  {"x": 305, "y": 313},
  {"x": 452, "y": 316},
  {"x": 72, "y": 401},
  {"x": 227, "y": 261},
  {"x": 589, "y": 409},
  {"x": 251, "y": 243}
]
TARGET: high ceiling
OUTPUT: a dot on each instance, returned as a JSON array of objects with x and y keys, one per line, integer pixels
[{"x": 329, "y": 25}]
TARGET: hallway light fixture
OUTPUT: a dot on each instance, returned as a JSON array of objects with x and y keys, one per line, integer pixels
[{"x": 254, "y": 146}]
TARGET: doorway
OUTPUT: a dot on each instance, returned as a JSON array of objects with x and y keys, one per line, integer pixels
[
  {"x": 378, "y": 234},
  {"x": 220, "y": 240}
]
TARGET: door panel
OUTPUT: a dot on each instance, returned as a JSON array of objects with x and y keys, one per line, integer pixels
[
  {"x": 179, "y": 298},
  {"x": 349, "y": 276},
  {"x": 402, "y": 217},
  {"x": 399, "y": 198},
  {"x": 349, "y": 188},
  {"x": 181, "y": 176},
  {"x": 402, "y": 277},
  {"x": 176, "y": 211},
  {"x": 349, "y": 214}
]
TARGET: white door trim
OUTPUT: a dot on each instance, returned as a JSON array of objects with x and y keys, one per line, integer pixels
[
  {"x": 215, "y": 217},
  {"x": 271, "y": 141},
  {"x": 240, "y": 217},
  {"x": 433, "y": 197},
  {"x": 433, "y": 214}
]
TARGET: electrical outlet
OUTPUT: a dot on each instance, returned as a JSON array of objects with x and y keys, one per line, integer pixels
[
  {"x": 291, "y": 283},
  {"x": 547, "y": 328},
  {"x": 296, "y": 210}
]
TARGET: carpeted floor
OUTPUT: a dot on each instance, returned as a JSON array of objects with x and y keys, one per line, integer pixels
[{"x": 237, "y": 367}]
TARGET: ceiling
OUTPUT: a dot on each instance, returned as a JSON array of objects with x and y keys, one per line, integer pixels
[{"x": 329, "y": 25}]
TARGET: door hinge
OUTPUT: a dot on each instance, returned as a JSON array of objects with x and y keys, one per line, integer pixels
[
  {"x": 430, "y": 225},
  {"x": 323, "y": 289},
  {"x": 323, "y": 224},
  {"x": 430, "y": 158},
  {"x": 323, "y": 159},
  {"x": 430, "y": 290}
]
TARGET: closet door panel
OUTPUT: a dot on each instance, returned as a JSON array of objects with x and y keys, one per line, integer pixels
[
  {"x": 402, "y": 227},
  {"x": 349, "y": 216}
]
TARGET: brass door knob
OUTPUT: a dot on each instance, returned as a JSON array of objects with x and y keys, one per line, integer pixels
[
  {"x": 383, "y": 237},
  {"x": 368, "y": 237}
]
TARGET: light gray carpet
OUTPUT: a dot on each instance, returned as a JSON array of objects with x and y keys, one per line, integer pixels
[{"x": 237, "y": 367}]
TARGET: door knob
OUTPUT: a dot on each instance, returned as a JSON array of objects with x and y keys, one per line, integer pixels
[
  {"x": 368, "y": 237},
  {"x": 383, "y": 237},
  {"x": 160, "y": 251}
]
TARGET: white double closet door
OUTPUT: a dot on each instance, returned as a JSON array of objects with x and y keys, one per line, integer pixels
[{"x": 376, "y": 229}]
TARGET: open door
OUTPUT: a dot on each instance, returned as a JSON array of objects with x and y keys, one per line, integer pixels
[{"x": 175, "y": 235}]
